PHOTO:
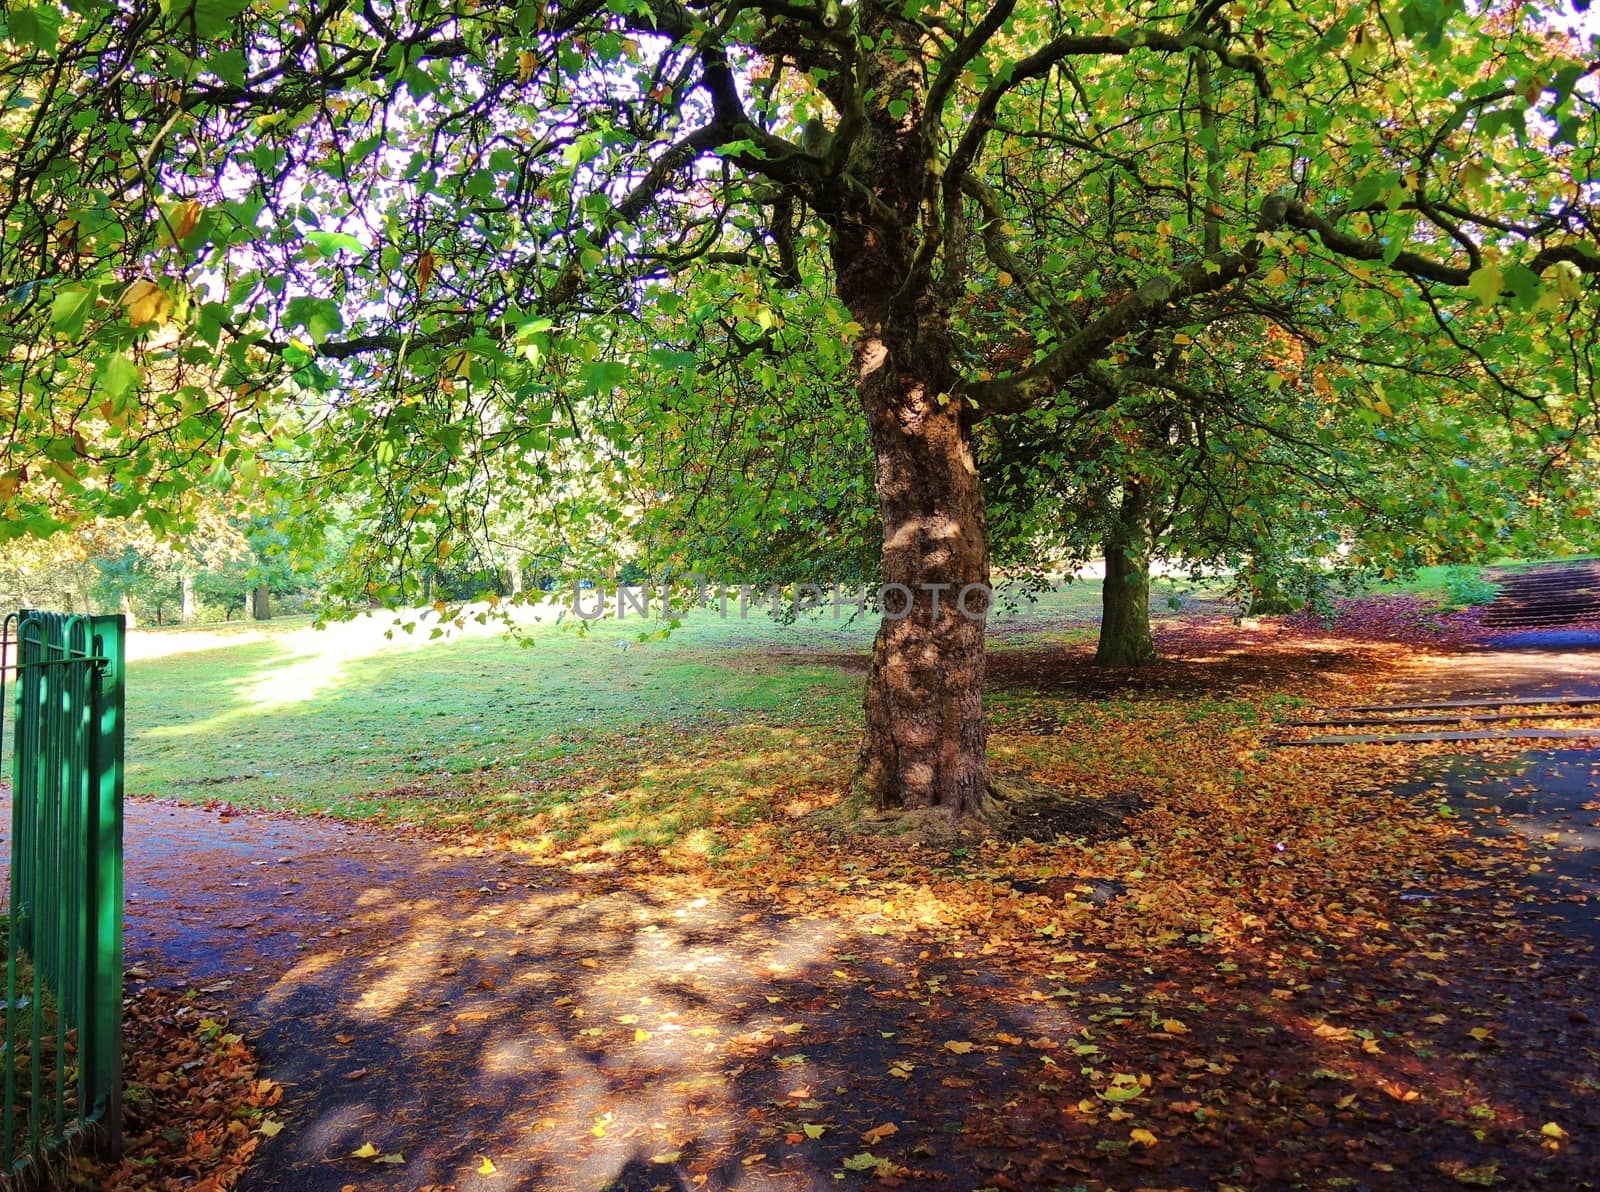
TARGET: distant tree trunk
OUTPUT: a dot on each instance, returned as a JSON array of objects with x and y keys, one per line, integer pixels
[
  {"x": 1125, "y": 638},
  {"x": 186, "y": 611},
  {"x": 125, "y": 607},
  {"x": 427, "y": 585},
  {"x": 261, "y": 603},
  {"x": 516, "y": 573}
]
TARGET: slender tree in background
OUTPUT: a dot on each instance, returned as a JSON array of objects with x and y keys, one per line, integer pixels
[{"x": 433, "y": 233}]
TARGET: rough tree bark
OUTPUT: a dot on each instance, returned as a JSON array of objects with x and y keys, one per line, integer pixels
[
  {"x": 187, "y": 606},
  {"x": 923, "y": 745},
  {"x": 924, "y": 739},
  {"x": 261, "y": 603},
  {"x": 1125, "y": 638}
]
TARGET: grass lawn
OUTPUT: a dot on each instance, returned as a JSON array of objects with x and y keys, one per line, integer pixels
[{"x": 363, "y": 720}]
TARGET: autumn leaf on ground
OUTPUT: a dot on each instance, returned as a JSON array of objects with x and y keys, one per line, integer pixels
[
  {"x": 487, "y": 1167},
  {"x": 866, "y": 1161},
  {"x": 269, "y": 1128},
  {"x": 959, "y": 1047},
  {"x": 1143, "y": 1137},
  {"x": 1123, "y": 1088},
  {"x": 878, "y": 1133}
]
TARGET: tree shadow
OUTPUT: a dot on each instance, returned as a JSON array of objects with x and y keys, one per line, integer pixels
[{"x": 624, "y": 1031}]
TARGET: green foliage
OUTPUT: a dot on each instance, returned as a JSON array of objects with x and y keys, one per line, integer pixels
[{"x": 1467, "y": 586}]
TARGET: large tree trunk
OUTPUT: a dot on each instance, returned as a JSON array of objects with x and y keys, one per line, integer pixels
[
  {"x": 261, "y": 603},
  {"x": 923, "y": 745},
  {"x": 1125, "y": 594},
  {"x": 925, "y": 734},
  {"x": 515, "y": 569},
  {"x": 187, "y": 606}
]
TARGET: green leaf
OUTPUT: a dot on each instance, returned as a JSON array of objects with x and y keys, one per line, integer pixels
[
  {"x": 38, "y": 27},
  {"x": 1524, "y": 285},
  {"x": 213, "y": 18},
  {"x": 1485, "y": 284},
  {"x": 70, "y": 309},
  {"x": 116, "y": 376},
  {"x": 331, "y": 243},
  {"x": 319, "y": 316}
]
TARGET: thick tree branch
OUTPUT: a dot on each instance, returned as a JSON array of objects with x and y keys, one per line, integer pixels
[{"x": 1298, "y": 215}]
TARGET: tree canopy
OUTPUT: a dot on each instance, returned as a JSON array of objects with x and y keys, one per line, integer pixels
[{"x": 571, "y": 261}]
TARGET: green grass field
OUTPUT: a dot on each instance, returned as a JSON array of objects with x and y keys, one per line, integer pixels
[{"x": 286, "y": 716}]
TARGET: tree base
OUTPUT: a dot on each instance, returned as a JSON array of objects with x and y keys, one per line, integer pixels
[
  {"x": 1126, "y": 657},
  {"x": 1012, "y": 809}
]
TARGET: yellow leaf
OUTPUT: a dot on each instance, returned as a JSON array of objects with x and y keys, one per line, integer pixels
[
  {"x": 878, "y": 1133},
  {"x": 1004, "y": 279},
  {"x": 1173, "y": 1027},
  {"x": 146, "y": 302},
  {"x": 1013, "y": 1040},
  {"x": 269, "y": 1128},
  {"x": 527, "y": 63},
  {"x": 812, "y": 1130},
  {"x": 1481, "y": 1033},
  {"x": 793, "y": 1028},
  {"x": 959, "y": 1047},
  {"x": 365, "y": 1151},
  {"x": 1485, "y": 284},
  {"x": 1276, "y": 277},
  {"x": 666, "y": 1157},
  {"x": 1143, "y": 1137},
  {"x": 1551, "y": 1130},
  {"x": 640, "y": 1034},
  {"x": 181, "y": 220},
  {"x": 1437, "y": 1019},
  {"x": 487, "y": 1167},
  {"x": 425, "y": 264},
  {"x": 1180, "y": 338},
  {"x": 1370, "y": 1046}
]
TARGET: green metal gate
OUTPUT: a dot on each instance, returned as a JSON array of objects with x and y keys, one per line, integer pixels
[{"x": 63, "y": 1009}]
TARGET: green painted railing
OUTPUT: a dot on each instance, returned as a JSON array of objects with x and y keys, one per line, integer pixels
[{"x": 62, "y": 1061}]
